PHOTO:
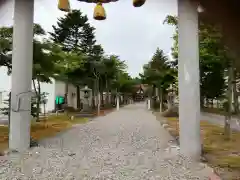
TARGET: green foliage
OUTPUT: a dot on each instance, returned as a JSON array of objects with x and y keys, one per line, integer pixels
[
  {"x": 42, "y": 64},
  {"x": 158, "y": 72},
  {"x": 69, "y": 30},
  {"x": 73, "y": 33},
  {"x": 213, "y": 58},
  {"x": 34, "y": 110},
  {"x": 71, "y": 54},
  {"x": 6, "y": 47},
  {"x": 76, "y": 45}
]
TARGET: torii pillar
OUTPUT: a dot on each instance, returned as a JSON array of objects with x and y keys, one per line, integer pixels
[
  {"x": 188, "y": 76},
  {"x": 22, "y": 62}
]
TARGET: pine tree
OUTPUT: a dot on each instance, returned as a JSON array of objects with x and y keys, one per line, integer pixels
[
  {"x": 74, "y": 34},
  {"x": 88, "y": 39}
]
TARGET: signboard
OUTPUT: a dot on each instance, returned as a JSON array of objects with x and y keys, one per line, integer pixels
[{"x": 59, "y": 100}]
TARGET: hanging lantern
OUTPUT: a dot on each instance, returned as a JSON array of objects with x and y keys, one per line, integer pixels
[
  {"x": 64, "y": 5},
  {"x": 99, "y": 12},
  {"x": 138, "y": 3}
]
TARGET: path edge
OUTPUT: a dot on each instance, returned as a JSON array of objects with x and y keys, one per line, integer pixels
[{"x": 163, "y": 122}]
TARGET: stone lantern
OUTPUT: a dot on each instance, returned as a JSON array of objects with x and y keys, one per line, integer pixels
[
  {"x": 171, "y": 96},
  {"x": 86, "y": 94}
]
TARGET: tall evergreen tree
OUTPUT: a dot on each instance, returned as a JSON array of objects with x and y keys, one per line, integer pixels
[
  {"x": 74, "y": 33},
  {"x": 71, "y": 30},
  {"x": 88, "y": 39},
  {"x": 158, "y": 73}
]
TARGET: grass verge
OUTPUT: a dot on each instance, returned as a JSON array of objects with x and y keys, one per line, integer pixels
[
  {"x": 40, "y": 130},
  {"x": 223, "y": 155}
]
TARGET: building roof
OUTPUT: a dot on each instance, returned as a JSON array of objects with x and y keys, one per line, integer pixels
[{"x": 143, "y": 87}]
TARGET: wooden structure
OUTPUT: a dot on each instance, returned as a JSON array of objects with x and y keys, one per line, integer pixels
[{"x": 139, "y": 92}]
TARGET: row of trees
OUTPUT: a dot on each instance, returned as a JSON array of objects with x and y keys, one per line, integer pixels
[
  {"x": 70, "y": 53},
  {"x": 214, "y": 59},
  {"x": 159, "y": 74},
  {"x": 217, "y": 73}
]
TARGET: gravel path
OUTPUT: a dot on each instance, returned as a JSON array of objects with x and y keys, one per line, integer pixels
[{"x": 124, "y": 145}]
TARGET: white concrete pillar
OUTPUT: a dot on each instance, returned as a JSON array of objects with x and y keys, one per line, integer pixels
[
  {"x": 22, "y": 60},
  {"x": 117, "y": 98},
  {"x": 149, "y": 104},
  {"x": 188, "y": 74}
]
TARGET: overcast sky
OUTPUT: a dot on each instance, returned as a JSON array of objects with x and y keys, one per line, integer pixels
[{"x": 132, "y": 33}]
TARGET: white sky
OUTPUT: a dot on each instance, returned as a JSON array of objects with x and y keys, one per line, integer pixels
[{"x": 132, "y": 33}]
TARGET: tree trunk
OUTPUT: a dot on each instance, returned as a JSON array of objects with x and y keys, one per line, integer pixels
[
  {"x": 212, "y": 103},
  {"x": 66, "y": 94},
  {"x": 107, "y": 93},
  {"x": 98, "y": 97},
  {"x": 102, "y": 98},
  {"x": 235, "y": 95},
  {"x": 9, "y": 111},
  {"x": 44, "y": 110},
  {"x": 34, "y": 86},
  {"x": 101, "y": 92},
  {"x": 35, "y": 89},
  {"x": 66, "y": 91},
  {"x": 78, "y": 97},
  {"x": 227, "y": 128},
  {"x": 99, "y": 103},
  {"x": 38, "y": 100},
  {"x": 202, "y": 102},
  {"x": 94, "y": 94},
  {"x": 160, "y": 100}
]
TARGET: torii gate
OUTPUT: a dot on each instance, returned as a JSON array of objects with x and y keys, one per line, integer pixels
[{"x": 188, "y": 64}]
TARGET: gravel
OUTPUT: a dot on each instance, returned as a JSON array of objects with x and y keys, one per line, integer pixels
[{"x": 124, "y": 145}]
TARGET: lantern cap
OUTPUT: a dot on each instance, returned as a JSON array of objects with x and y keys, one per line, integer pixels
[{"x": 86, "y": 88}]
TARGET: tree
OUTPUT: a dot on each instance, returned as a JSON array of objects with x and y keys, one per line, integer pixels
[
  {"x": 6, "y": 35},
  {"x": 159, "y": 74},
  {"x": 112, "y": 65},
  {"x": 69, "y": 31},
  {"x": 6, "y": 109},
  {"x": 6, "y": 47},
  {"x": 214, "y": 63},
  {"x": 213, "y": 59},
  {"x": 43, "y": 64},
  {"x": 88, "y": 42},
  {"x": 74, "y": 35}
]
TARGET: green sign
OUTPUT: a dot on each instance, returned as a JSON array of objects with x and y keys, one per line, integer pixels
[{"x": 59, "y": 100}]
